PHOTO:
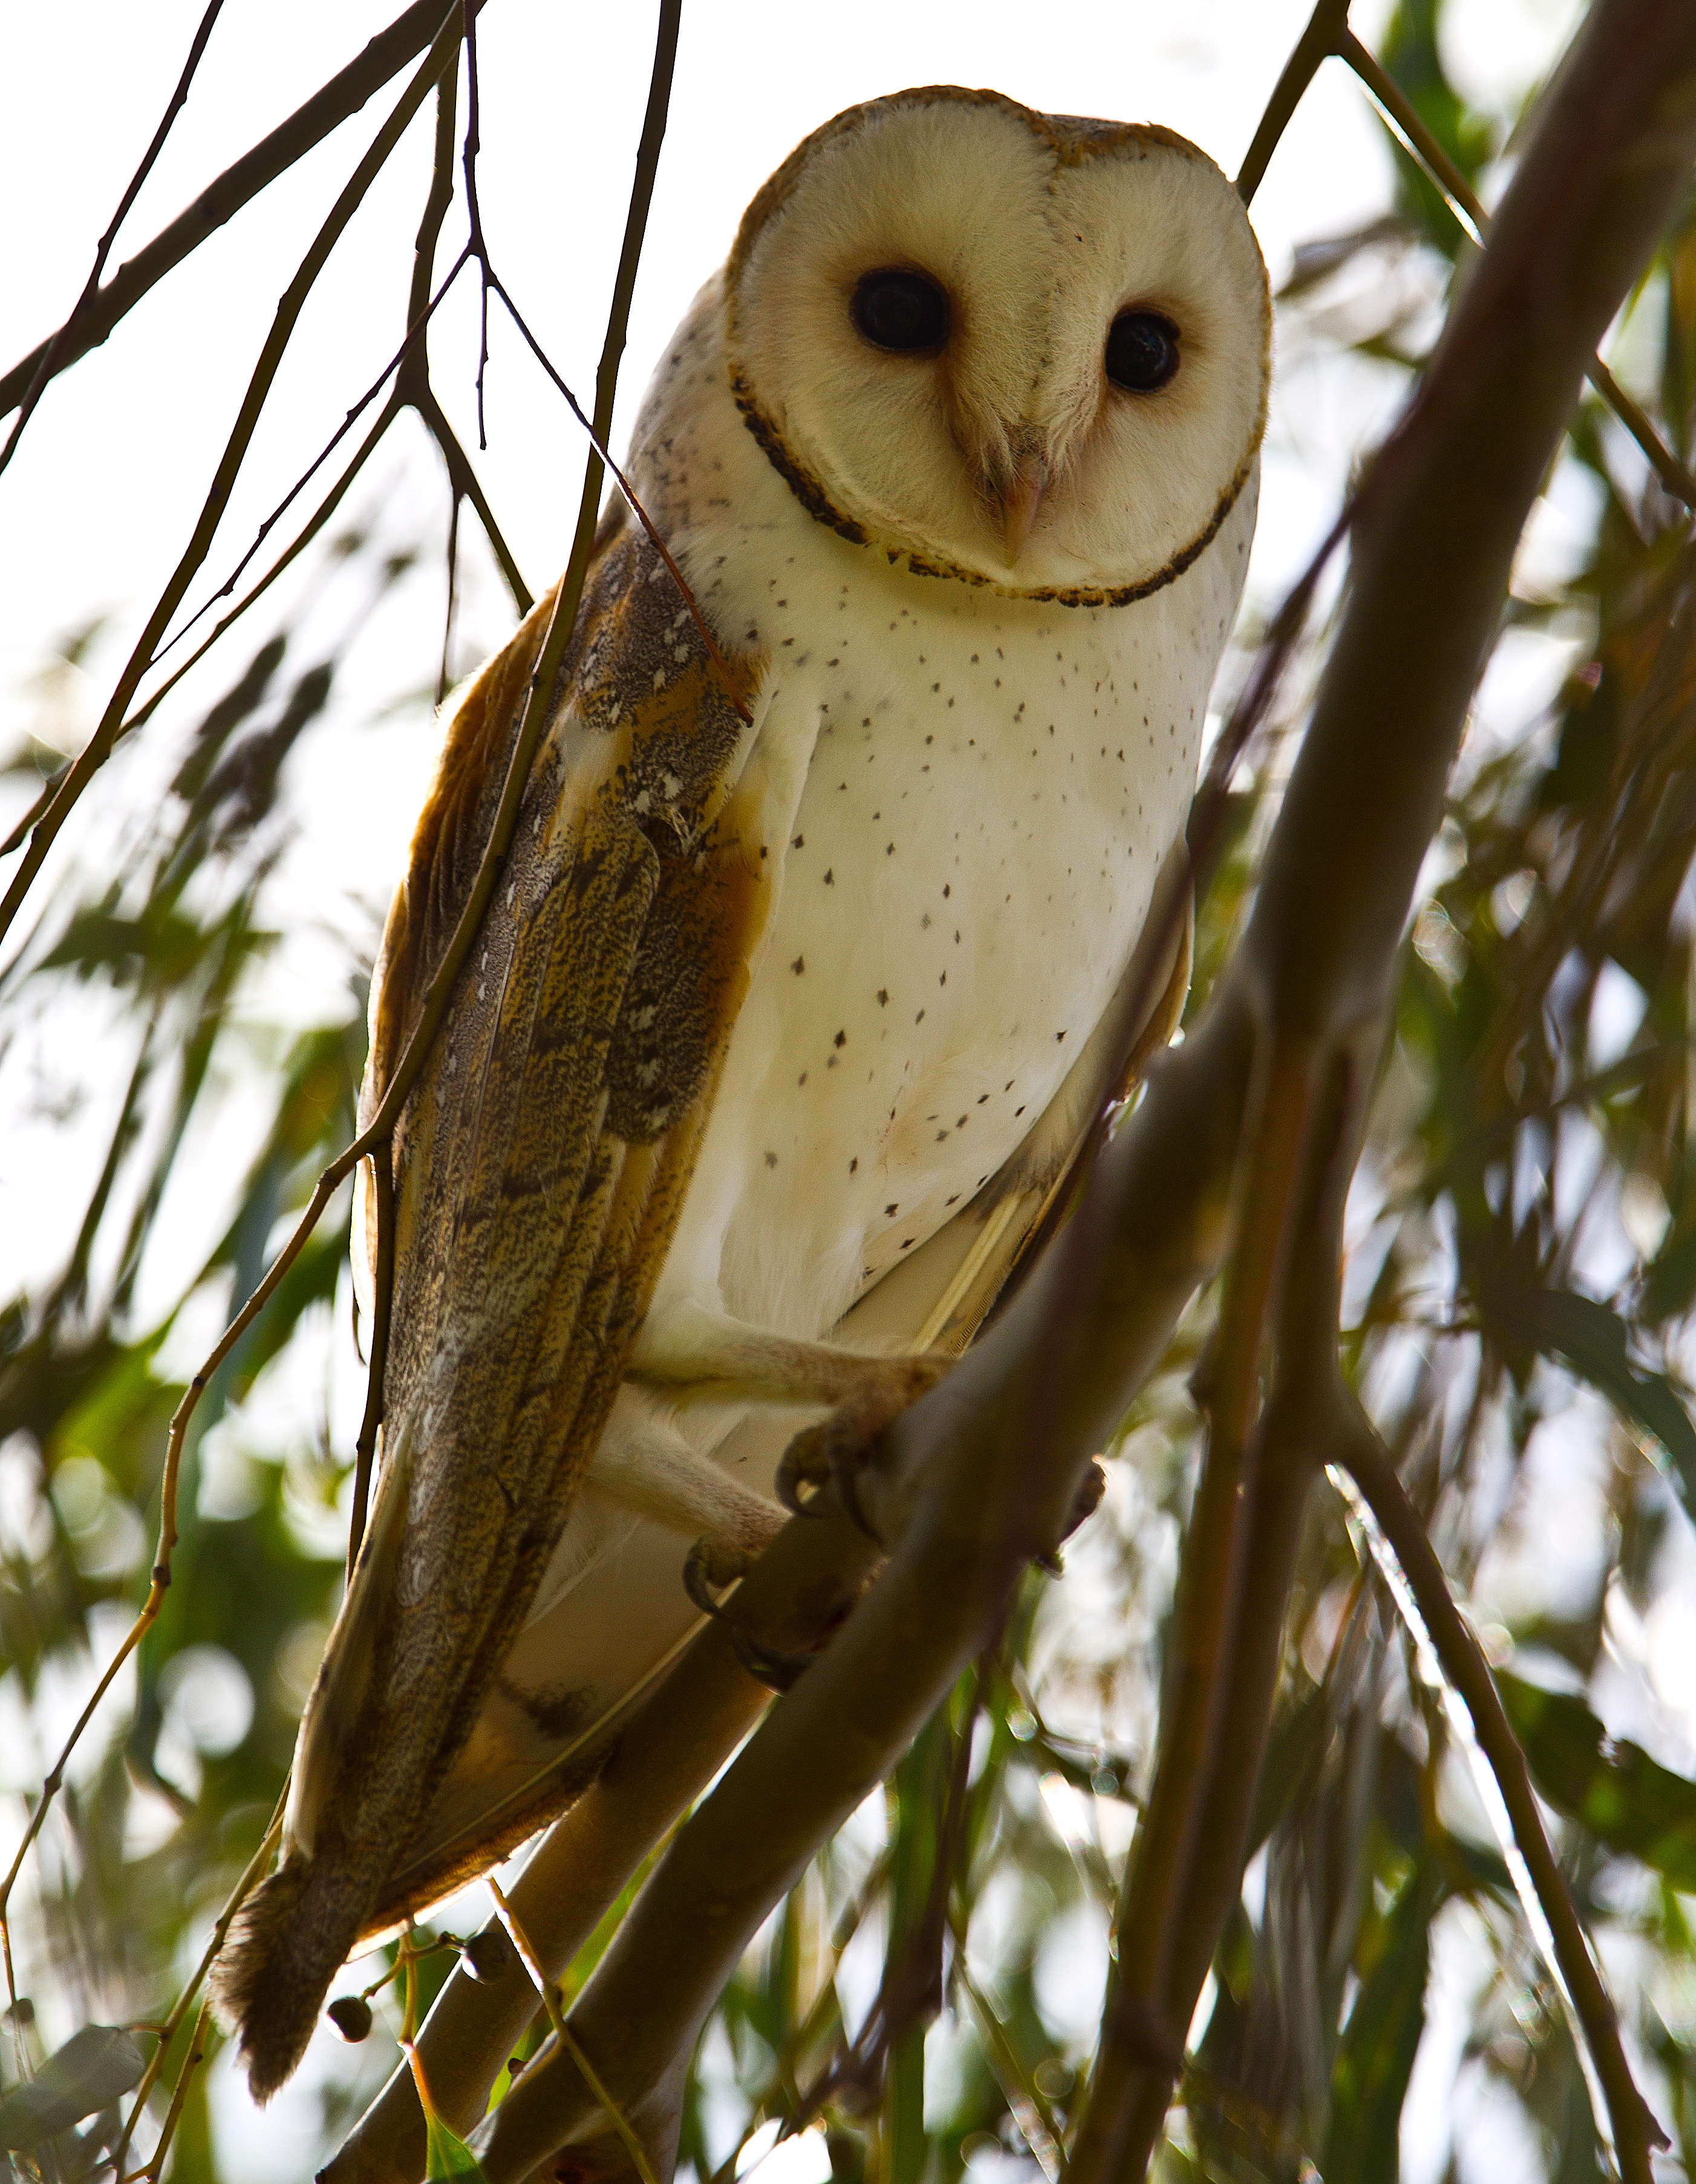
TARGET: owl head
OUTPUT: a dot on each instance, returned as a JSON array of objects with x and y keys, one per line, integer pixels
[{"x": 1016, "y": 348}]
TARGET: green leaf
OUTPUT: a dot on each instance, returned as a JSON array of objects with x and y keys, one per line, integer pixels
[
  {"x": 447, "y": 2154},
  {"x": 1376, "y": 2059},
  {"x": 95, "y": 2067},
  {"x": 1592, "y": 1340},
  {"x": 1623, "y": 1796},
  {"x": 1294, "y": 1751}
]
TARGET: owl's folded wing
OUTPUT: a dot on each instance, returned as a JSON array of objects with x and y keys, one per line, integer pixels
[
  {"x": 500, "y": 1791},
  {"x": 540, "y": 1168}
]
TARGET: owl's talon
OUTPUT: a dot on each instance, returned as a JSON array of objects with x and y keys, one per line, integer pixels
[
  {"x": 846, "y": 1462},
  {"x": 839, "y": 1449},
  {"x": 699, "y": 1580},
  {"x": 801, "y": 1466},
  {"x": 769, "y": 1665},
  {"x": 1085, "y": 1503}
]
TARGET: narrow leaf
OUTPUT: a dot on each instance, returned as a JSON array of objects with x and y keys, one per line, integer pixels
[
  {"x": 1592, "y": 1340},
  {"x": 1376, "y": 2059},
  {"x": 446, "y": 2152},
  {"x": 1622, "y": 1796},
  {"x": 96, "y": 2066}
]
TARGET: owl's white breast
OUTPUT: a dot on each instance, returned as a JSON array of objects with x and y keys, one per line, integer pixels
[{"x": 968, "y": 797}]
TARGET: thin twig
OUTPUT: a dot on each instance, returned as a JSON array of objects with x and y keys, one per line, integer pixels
[
  {"x": 98, "y": 748},
  {"x": 43, "y": 797},
  {"x": 179, "y": 2096},
  {"x": 444, "y": 679},
  {"x": 52, "y": 353},
  {"x": 381, "y": 1173},
  {"x": 314, "y": 524},
  {"x": 474, "y": 210},
  {"x": 1039, "y": 2125},
  {"x": 1403, "y": 119},
  {"x": 465, "y": 484},
  {"x": 381, "y": 1128},
  {"x": 562, "y": 2032},
  {"x": 342, "y": 96},
  {"x": 597, "y": 436},
  {"x": 1326, "y": 27},
  {"x": 412, "y": 381},
  {"x": 318, "y": 461},
  {"x": 1410, "y": 1568},
  {"x": 238, "y": 1896}
]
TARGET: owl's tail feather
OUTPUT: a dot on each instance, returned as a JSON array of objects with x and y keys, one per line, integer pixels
[{"x": 285, "y": 1946}]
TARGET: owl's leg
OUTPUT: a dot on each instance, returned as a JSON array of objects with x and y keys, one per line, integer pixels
[
  {"x": 700, "y": 1353},
  {"x": 658, "y": 1474}
]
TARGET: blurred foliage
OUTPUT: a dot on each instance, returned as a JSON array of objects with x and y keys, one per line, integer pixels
[{"x": 1521, "y": 1284}]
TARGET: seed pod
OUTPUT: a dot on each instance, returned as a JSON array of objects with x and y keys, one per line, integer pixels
[
  {"x": 489, "y": 1955},
  {"x": 351, "y": 2015}
]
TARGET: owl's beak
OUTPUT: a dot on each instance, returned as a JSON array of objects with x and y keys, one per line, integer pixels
[{"x": 1019, "y": 503}]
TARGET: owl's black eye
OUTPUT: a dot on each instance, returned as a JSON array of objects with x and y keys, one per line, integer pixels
[
  {"x": 1142, "y": 351},
  {"x": 898, "y": 309}
]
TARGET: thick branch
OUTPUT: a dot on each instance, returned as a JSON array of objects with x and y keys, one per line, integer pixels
[
  {"x": 344, "y": 94},
  {"x": 1216, "y": 1709}
]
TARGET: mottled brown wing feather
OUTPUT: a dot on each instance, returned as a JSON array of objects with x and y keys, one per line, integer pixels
[
  {"x": 937, "y": 1298},
  {"x": 540, "y": 1168}
]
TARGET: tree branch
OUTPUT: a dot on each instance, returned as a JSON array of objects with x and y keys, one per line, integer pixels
[
  {"x": 1216, "y": 1709},
  {"x": 1327, "y": 27},
  {"x": 98, "y": 748},
  {"x": 345, "y": 93},
  {"x": 672, "y": 1748},
  {"x": 1403, "y": 118},
  {"x": 50, "y": 356},
  {"x": 1415, "y": 1578}
]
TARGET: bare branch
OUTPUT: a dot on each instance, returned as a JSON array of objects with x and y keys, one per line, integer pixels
[
  {"x": 1327, "y": 26},
  {"x": 1403, "y": 119},
  {"x": 51, "y": 355},
  {"x": 1420, "y": 1591},
  {"x": 98, "y": 748},
  {"x": 345, "y": 93}
]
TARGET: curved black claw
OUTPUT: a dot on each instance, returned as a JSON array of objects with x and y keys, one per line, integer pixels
[
  {"x": 801, "y": 1465},
  {"x": 825, "y": 1453},
  {"x": 845, "y": 1465},
  {"x": 767, "y": 1664},
  {"x": 698, "y": 1579},
  {"x": 1085, "y": 1503}
]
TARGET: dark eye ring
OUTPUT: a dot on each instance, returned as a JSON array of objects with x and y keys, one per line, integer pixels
[
  {"x": 899, "y": 310},
  {"x": 1142, "y": 351}
]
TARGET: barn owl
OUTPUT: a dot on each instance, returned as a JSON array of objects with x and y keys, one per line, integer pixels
[{"x": 799, "y": 981}]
